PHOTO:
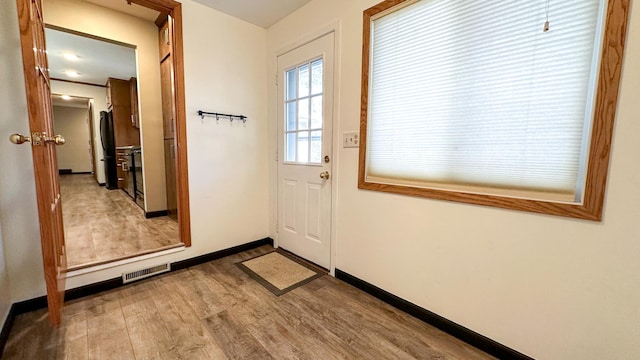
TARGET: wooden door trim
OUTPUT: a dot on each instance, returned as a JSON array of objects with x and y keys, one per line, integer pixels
[
  {"x": 174, "y": 9},
  {"x": 92, "y": 142}
]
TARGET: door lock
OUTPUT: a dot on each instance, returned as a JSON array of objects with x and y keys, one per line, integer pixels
[{"x": 57, "y": 139}]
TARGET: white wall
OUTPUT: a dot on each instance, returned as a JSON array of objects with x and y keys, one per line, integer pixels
[
  {"x": 18, "y": 209},
  {"x": 225, "y": 71},
  {"x": 73, "y": 123},
  {"x": 99, "y": 21},
  {"x": 550, "y": 287},
  {"x": 97, "y": 94}
]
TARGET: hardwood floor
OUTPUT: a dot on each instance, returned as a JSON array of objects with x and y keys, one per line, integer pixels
[
  {"x": 102, "y": 225},
  {"x": 215, "y": 311}
]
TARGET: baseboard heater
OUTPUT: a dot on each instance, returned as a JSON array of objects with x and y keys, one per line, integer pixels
[{"x": 145, "y": 273}]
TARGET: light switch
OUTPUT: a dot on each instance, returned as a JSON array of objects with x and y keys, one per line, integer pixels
[{"x": 351, "y": 139}]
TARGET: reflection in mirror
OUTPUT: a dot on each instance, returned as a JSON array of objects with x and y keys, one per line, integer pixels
[{"x": 96, "y": 105}]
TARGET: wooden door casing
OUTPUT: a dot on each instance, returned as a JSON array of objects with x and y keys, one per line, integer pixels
[
  {"x": 38, "y": 93},
  {"x": 174, "y": 9}
]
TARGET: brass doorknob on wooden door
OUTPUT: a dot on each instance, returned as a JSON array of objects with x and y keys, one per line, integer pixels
[
  {"x": 19, "y": 139},
  {"x": 58, "y": 140},
  {"x": 324, "y": 175}
]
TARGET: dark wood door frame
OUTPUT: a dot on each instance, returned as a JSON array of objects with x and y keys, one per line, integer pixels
[
  {"x": 92, "y": 142},
  {"x": 174, "y": 9}
]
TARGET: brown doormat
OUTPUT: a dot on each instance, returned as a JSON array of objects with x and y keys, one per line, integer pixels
[{"x": 279, "y": 271}]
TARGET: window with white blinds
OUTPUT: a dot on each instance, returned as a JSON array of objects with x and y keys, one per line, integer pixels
[{"x": 475, "y": 96}]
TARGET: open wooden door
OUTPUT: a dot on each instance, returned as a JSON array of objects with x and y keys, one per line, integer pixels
[{"x": 36, "y": 74}]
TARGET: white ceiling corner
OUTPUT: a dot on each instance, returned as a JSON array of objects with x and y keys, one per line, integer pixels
[
  {"x": 131, "y": 9},
  {"x": 263, "y": 13}
]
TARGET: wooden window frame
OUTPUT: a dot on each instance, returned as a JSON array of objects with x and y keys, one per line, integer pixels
[{"x": 606, "y": 101}]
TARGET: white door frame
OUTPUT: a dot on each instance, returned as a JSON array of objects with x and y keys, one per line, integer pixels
[{"x": 335, "y": 28}]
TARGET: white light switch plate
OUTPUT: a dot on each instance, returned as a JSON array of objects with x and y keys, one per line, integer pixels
[{"x": 351, "y": 139}]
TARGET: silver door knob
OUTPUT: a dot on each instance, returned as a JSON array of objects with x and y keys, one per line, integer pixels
[
  {"x": 324, "y": 175},
  {"x": 19, "y": 139}
]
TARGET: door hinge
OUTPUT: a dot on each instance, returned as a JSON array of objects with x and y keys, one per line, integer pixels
[{"x": 276, "y": 79}]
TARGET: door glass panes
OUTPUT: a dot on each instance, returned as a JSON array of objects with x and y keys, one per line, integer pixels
[
  {"x": 303, "y": 113},
  {"x": 290, "y": 145},
  {"x": 303, "y": 146},
  {"x": 316, "y": 77},
  {"x": 291, "y": 116},
  {"x": 316, "y": 146},
  {"x": 292, "y": 80},
  {"x": 316, "y": 112},
  {"x": 303, "y": 80}
]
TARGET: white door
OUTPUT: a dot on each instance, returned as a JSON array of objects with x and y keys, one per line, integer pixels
[{"x": 305, "y": 114}]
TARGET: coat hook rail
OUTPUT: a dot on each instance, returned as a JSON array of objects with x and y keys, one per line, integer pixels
[{"x": 220, "y": 115}]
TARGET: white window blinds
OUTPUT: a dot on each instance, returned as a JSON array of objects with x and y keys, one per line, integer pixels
[{"x": 475, "y": 93}]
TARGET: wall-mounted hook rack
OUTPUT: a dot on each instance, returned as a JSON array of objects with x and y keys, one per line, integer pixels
[{"x": 218, "y": 115}]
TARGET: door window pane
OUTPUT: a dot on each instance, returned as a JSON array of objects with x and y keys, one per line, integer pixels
[
  {"x": 316, "y": 77},
  {"x": 303, "y": 114},
  {"x": 290, "y": 146},
  {"x": 316, "y": 112},
  {"x": 316, "y": 147},
  {"x": 291, "y": 84},
  {"x": 303, "y": 81},
  {"x": 303, "y": 146},
  {"x": 291, "y": 116}
]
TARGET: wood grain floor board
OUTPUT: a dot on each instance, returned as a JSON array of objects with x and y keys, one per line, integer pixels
[
  {"x": 189, "y": 336},
  {"x": 108, "y": 337},
  {"x": 390, "y": 325},
  {"x": 103, "y": 225},
  {"x": 277, "y": 340},
  {"x": 216, "y": 311},
  {"x": 234, "y": 340},
  {"x": 347, "y": 331},
  {"x": 200, "y": 289}
]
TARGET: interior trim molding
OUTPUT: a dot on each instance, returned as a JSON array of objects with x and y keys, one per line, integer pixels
[
  {"x": 467, "y": 335},
  {"x": 179, "y": 265},
  {"x": 6, "y": 328},
  {"x": 154, "y": 214},
  {"x": 110, "y": 284}
]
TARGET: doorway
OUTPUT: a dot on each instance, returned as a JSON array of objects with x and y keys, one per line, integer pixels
[
  {"x": 43, "y": 140},
  {"x": 305, "y": 128},
  {"x": 127, "y": 215}
]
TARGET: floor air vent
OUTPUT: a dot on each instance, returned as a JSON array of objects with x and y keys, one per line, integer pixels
[{"x": 144, "y": 273}]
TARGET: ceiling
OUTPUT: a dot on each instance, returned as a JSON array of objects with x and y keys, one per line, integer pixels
[
  {"x": 97, "y": 59},
  {"x": 263, "y": 13},
  {"x": 133, "y": 9}
]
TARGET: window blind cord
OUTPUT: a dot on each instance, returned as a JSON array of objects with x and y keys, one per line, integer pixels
[{"x": 546, "y": 11}]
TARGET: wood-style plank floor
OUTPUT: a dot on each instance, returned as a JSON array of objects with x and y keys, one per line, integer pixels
[
  {"x": 103, "y": 225},
  {"x": 215, "y": 311}
]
